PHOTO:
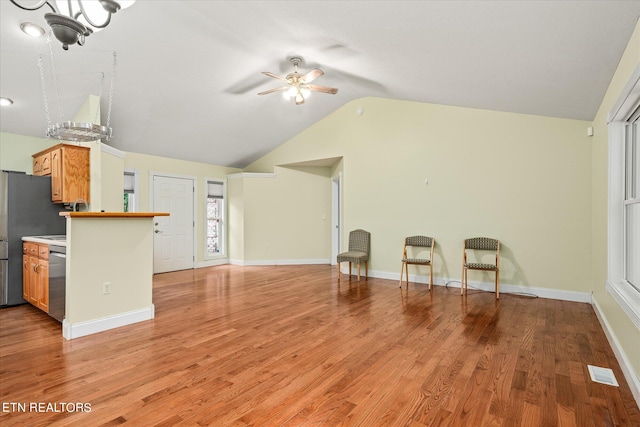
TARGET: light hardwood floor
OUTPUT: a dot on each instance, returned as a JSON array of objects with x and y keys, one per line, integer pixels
[{"x": 271, "y": 346}]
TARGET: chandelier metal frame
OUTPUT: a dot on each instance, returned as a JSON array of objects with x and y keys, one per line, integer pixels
[{"x": 68, "y": 29}]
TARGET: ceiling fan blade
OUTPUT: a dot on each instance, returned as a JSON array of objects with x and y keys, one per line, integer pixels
[
  {"x": 311, "y": 75},
  {"x": 275, "y": 76},
  {"x": 324, "y": 89},
  {"x": 278, "y": 89}
]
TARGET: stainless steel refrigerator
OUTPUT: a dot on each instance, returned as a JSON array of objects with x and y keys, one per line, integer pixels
[{"x": 25, "y": 210}]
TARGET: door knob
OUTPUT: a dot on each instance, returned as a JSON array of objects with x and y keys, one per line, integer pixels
[{"x": 158, "y": 231}]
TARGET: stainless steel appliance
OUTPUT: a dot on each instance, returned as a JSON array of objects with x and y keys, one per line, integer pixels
[
  {"x": 57, "y": 281},
  {"x": 25, "y": 210}
]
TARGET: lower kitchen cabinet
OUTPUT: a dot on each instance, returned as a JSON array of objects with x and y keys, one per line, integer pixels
[{"x": 35, "y": 279}]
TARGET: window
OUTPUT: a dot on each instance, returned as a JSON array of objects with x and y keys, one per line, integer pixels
[
  {"x": 623, "y": 275},
  {"x": 129, "y": 191},
  {"x": 215, "y": 218},
  {"x": 632, "y": 201}
]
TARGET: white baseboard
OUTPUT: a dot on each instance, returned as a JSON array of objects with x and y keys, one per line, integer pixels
[
  {"x": 623, "y": 360},
  {"x": 280, "y": 262},
  {"x": 558, "y": 294},
  {"x": 211, "y": 262},
  {"x": 81, "y": 329}
]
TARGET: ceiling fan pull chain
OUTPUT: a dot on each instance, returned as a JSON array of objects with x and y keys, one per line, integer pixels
[
  {"x": 44, "y": 95},
  {"x": 55, "y": 77}
]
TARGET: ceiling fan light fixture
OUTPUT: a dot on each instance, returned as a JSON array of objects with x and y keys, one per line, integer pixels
[
  {"x": 31, "y": 29},
  {"x": 298, "y": 86},
  {"x": 292, "y": 92},
  {"x": 73, "y": 20}
]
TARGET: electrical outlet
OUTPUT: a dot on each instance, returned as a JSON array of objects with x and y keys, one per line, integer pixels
[{"x": 106, "y": 288}]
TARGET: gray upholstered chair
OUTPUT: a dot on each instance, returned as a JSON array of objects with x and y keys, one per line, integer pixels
[
  {"x": 359, "y": 247},
  {"x": 418, "y": 250},
  {"x": 480, "y": 244}
]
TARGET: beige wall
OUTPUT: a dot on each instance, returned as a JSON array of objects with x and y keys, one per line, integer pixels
[
  {"x": 620, "y": 325},
  {"x": 286, "y": 216},
  {"x": 16, "y": 151},
  {"x": 522, "y": 179},
  {"x": 112, "y": 178},
  {"x": 144, "y": 165},
  {"x": 235, "y": 212},
  {"x": 118, "y": 251}
]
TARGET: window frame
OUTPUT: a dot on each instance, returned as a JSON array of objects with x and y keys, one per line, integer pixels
[
  {"x": 223, "y": 219},
  {"x": 136, "y": 185},
  {"x": 623, "y": 292}
]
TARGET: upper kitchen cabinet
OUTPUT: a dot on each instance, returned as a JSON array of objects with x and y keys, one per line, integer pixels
[
  {"x": 42, "y": 164},
  {"x": 69, "y": 168}
]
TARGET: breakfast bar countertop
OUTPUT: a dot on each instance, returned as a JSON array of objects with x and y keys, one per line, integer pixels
[
  {"x": 113, "y": 214},
  {"x": 57, "y": 240}
]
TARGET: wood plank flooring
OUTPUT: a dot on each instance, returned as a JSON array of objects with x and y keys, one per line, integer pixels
[{"x": 285, "y": 346}]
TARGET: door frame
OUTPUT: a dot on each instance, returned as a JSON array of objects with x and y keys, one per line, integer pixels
[
  {"x": 336, "y": 223},
  {"x": 194, "y": 180}
]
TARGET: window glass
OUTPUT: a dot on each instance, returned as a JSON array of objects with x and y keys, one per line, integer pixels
[{"x": 215, "y": 218}]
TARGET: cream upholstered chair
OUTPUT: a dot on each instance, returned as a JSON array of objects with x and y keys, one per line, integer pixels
[
  {"x": 416, "y": 246},
  {"x": 480, "y": 244},
  {"x": 359, "y": 247}
]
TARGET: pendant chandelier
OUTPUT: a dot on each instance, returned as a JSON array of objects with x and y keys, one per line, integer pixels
[{"x": 73, "y": 20}]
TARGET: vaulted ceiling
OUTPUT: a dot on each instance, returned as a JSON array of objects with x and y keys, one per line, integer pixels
[{"x": 188, "y": 72}]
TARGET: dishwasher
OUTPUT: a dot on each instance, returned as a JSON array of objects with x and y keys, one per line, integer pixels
[{"x": 57, "y": 281}]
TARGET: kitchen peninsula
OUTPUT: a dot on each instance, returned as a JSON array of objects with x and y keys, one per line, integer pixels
[{"x": 109, "y": 270}]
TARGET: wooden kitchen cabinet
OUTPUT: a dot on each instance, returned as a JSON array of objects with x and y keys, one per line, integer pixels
[
  {"x": 35, "y": 277},
  {"x": 26, "y": 278},
  {"x": 42, "y": 164},
  {"x": 69, "y": 167}
]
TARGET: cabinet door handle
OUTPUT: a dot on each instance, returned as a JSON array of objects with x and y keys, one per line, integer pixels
[{"x": 35, "y": 267}]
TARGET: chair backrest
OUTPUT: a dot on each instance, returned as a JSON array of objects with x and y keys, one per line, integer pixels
[
  {"x": 359, "y": 240},
  {"x": 423, "y": 241},
  {"x": 482, "y": 243}
]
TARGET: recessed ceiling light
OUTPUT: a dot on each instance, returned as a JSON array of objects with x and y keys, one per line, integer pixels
[
  {"x": 34, "y": 30},
  {"x": 5, "y": 102}
]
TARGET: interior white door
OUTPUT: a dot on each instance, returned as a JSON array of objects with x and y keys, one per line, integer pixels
[{"x": 173, "y": 234}]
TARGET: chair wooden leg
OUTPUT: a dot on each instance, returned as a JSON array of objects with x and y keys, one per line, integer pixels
[
  {"x": 430, "y": 276},
  {"x": 349, "y": 270},
  {"x": 338, "y": 272},
  {"x": 401, "y": 272},
  {"x": 358, "y": 272},
  {"x": 366, "y": 270},
  {"x": 406, "y": 267},
  {"x": 497, "y": 284},
  {"x": 464, "y": 281}
]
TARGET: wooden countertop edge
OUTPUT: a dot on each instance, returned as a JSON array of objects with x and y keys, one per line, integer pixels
[{"x": 113, "y": 214}]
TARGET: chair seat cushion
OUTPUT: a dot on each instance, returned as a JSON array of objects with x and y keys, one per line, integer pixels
[
  {"x": 416, "y": 261},
  {"x": 480, "y": 266},
  {"x": 353, "y": 256}
]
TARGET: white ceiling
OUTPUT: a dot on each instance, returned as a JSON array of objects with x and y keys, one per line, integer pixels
[{"x": 188, "y": 72}]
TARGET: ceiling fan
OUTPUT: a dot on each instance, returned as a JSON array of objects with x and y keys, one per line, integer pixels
[{"x": 298, "y": 85}]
